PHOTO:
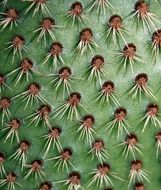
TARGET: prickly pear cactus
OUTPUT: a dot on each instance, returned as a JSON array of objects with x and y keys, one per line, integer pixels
[{"x": 80, "y": 95}]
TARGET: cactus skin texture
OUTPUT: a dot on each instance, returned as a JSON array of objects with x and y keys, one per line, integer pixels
[{"x": 80, "y": 95}]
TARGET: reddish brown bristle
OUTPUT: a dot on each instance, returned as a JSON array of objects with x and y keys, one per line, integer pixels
[
  {"x": 18, "y": 41},
  {"x": 66, "y": 154},
  {"x": 5, "y": 103},
  {"x": 139, "y": 186},
  {"x": 11, "y": 177},
  {"x": 47, "y": 23},
  {"x": 115, "y": 22},
  {"x": 88, "y": 121},
  {"x": 141, "y": 79},
  {"x": 129, "y": 51},
  {"x": 24, "y": 145},
  {"x": 45, "y": 186},
  {"x": 40, "y": 1},
  {"x": 136, "y": 165},
  {"x": 15, "y": 124},
  {"x": 12, "y": 13},
  {"x": 2, "y": 79},
  {"x": 45, "y": 110},
  {"x": 55, "y": 132},
  {"x": 86, "y": 35},
  {"x": 56, "y": 49},
  {"x": 158, "y": 136},
  {"x": 98, "y": 145},
  {"x": 37, "y": 165},
  {"x": 156, "y": 37},
  {"x": 120, "y": 114},
  {"x": 97, "y": 62},
  {"x": 74, "y": 99},
  {"x": 103, "y": 169},
  {"x": 34, "y": 88},
  {"x": 76, "y": 8},
  {"x": 2, "y": 158},
  {"x": 142, "y": 7},
  {"x": 131, "y": 139},
  {"x": 108, "y": 87},
  {"x": 26, "y": 65},
  {"x": 74, "y": 178},
  {"x": 65, "y": 73},
  {"x": 152, "y": 109}
]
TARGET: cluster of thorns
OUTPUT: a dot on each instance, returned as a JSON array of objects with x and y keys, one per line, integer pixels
[{"x": 128, "y": 56}]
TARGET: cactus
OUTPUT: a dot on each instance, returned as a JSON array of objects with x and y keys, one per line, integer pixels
[{"x": 80, "y": 95}]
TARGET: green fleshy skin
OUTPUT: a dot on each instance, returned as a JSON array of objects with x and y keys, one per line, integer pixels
[{"x": 123, "y": 79}]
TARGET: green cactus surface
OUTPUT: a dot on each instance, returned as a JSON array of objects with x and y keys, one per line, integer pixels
[{"x": 80, "y": 95}]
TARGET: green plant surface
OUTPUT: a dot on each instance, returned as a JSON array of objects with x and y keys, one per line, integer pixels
[{"x": 68, "y": 35}]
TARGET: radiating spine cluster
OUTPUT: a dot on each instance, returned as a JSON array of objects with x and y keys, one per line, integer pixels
[{"x": 93, "y": 137}]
